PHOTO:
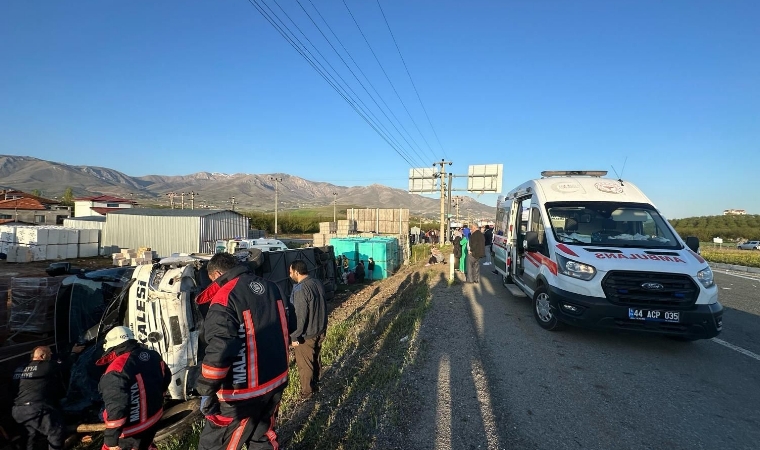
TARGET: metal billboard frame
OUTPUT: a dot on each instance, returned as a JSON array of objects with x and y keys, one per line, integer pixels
[
  {"x": 485, "y": 178},
  {"x": 423, "y": 180}
]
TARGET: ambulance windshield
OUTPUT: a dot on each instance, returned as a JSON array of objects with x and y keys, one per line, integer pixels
[{"x": 608, "y": 224}]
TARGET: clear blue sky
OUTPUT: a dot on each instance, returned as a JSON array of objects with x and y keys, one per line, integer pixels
[{"x": 176, "y": 87}]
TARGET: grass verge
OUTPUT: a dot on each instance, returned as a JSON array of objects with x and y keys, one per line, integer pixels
[{"x": 366, "y": 353}]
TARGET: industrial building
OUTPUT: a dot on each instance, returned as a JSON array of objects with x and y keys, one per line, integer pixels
[{"x": 168, "y": 231}]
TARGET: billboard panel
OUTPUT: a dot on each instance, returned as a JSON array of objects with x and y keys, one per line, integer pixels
[
  {"x": 484, "y": 178},
  {"x": 422, "y": 180}
]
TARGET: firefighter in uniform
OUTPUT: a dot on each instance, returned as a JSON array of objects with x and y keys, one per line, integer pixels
[
  {"x": 37, "y": 386},
  {"x": 132, "y": 388},
  {"x": 245, "y": 368}
]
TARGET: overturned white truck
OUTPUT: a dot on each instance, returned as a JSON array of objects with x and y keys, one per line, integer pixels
[{"x": 158, "y": 303}]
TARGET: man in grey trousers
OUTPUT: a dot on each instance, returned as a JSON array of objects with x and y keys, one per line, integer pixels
[{"x": 308, "y": 298}]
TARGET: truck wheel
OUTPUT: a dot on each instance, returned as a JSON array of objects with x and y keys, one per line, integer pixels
[
  {"x": 542, "y": 310},
  {"x": 179, "y": 420}
]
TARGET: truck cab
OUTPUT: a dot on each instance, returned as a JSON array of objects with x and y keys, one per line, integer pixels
[{"x": 595, "y": 252}]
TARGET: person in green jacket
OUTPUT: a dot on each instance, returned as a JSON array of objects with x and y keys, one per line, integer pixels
[{"x": 463, "y": 258}]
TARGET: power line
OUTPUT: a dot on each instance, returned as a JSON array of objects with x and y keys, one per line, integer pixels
[
  {"x": 358, "y": 80},
  {"x": 323, "y": 73},
  {"x": 326, "y": 76},
  {"x": 367, "y": 78},
  {"x": 432, "y": 154},
  {"x": 410, "y": 77},
  {"x": 356, "y": 96}
]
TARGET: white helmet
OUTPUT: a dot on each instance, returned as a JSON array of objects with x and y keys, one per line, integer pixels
[{"x": 117, "y": 335}]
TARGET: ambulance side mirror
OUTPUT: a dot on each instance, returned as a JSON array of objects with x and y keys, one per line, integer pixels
[
  {"x": 531, "y": 242},
  {"x": 693, "y": 243}
]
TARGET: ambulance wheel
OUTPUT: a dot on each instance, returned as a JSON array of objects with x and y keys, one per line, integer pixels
[{"x": 542, "y": 310}]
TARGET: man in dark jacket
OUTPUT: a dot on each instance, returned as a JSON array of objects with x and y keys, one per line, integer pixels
[
  {"x": 133, "y": 388},
  {"x": 37, "y": 387},
  {"x": 308, "y": 298},
  {"x": 245, "y": 369},
  {"x": 476, "y": 251}
]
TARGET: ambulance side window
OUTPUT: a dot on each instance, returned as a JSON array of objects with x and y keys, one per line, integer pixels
[
  {"x": 537, "y": 225},
  {"x": 501, "y": 222}
]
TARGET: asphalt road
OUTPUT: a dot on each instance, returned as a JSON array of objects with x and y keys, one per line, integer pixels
[{"x": 582, "y": 389}]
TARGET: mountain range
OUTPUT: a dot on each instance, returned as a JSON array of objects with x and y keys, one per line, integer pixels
[{"x": 215, "y": 190}]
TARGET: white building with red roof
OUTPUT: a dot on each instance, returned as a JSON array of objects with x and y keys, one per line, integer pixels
[{"x": 100, "y": 205}]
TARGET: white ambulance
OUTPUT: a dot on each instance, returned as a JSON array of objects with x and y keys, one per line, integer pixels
[{"x": 595, "y": 252}]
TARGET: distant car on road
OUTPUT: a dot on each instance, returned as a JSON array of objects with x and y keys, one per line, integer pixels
[{"x": 749, "y": 245}]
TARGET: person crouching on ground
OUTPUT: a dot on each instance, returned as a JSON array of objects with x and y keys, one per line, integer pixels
[
  {"x": 132, "y": 388},
  {"x": 308, "y": 298},
  {"x": 360, "y": 273}
]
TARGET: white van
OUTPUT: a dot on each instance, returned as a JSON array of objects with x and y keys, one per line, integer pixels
[
  {"x": 595, "y": 252},
  {"x": 263, "y": 244}
]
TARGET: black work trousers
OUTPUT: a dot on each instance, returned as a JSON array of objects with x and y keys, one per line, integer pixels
[
  {"x": 140, "y": 441},
  {"x": 307, "y": 360},
  {"x": 40, "y": 419},
  {"x": 255, "y": 428}
]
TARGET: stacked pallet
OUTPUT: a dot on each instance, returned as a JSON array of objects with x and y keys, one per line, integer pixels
[
  {"x": 346, "y": 227},
  {"x": 321, "y": 240},
  {"x": 381, "y": 221},
  {"x": 30, "y": 243},
  {"x": 32, "y": 304},
  {"x": 131, "y": 257},
  {"x": 328, "y": 227}
]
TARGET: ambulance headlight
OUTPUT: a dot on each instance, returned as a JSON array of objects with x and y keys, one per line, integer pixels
[
  {"x": 705, "y": 276},
  {"x": 575, "y": 269}
]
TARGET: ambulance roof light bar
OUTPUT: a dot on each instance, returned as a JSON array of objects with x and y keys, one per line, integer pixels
[{"x": 573, "y": 173}]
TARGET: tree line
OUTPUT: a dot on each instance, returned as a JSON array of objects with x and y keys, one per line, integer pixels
[
  {"x": 286, "y": 223},
  {"x": 729, "y": 228}
]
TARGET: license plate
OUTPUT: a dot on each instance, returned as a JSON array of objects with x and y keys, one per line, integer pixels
[{"x": 653, "y": 315}]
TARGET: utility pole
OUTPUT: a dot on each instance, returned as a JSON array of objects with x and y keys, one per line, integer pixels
[
  {"x": 457, "y": 201},
  {"x": 232, "y": 200},
  {"x": 182, "y": 196},
  {"x": 276, "y": 201},
  {"x": 335, "y": 199},
  {"x": 192, "y": 195},
  {"x": 442, "y": 176},
  {"x": 448, "y": 209},
  {"x": 171, "y": 196}
]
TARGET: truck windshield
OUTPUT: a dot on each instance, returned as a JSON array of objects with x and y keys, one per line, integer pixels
[{"x": 610, "y": 224}]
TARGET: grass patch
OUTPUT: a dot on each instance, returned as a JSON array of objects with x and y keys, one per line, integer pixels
[{"x": 369, "y": 352}]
